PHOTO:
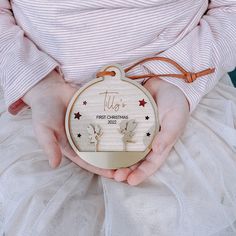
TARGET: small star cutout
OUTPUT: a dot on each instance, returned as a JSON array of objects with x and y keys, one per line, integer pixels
[
  {"x": 147, "y": 117},
  {"x": 78, "y": 135},
  {"x": 77, "y": 115},
  {"x": 142, "y": 103},
  {"x": 148, "y": 134},
  {"x": 85, "y": 103}
]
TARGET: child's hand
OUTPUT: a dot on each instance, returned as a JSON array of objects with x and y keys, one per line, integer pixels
[
  {"x": 48, "y": 100},
  {"x": 173, "y": 112}
]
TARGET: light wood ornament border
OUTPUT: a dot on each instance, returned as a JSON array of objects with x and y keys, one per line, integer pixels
[{"x": 110, "y": 159}]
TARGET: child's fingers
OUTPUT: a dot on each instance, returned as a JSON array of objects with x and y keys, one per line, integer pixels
[
  {"x": 171, "y": 128},
  {"x": 69, "y": 152},
  {"x": 122, "y": 173},
  {"x": 148, "y": 167},
  {"x": 173, "y": 115},
  {"x": 48, "y": 142},
  {"x": 153, "y": 161}
]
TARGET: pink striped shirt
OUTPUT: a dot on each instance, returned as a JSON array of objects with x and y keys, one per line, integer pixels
[{"x": 80, "y": 37}]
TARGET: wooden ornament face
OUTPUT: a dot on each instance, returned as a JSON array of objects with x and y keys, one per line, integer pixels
[{"x": 111, "y": 121}]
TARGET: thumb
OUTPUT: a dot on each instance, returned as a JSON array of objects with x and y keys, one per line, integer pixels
[{"x": 48, "y": 142}]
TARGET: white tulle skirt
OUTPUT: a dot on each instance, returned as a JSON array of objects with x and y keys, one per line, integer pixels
[{"x": 194, "y": 193}]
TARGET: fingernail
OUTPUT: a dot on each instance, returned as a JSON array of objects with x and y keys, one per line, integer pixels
[
  {"x": 132, "y": 182},
  {"x": 53, "y": 164},
  {"x": 119, "y": 178}
]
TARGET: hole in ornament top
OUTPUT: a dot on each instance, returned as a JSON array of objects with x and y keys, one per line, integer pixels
[{"x": 113, "y": 73}]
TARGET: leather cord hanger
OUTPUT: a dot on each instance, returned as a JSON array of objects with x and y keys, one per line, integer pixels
[{"x": 189, "y": 77}]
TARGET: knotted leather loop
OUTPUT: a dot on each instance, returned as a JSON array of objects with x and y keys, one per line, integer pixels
[{"x": 188, "y": 77}]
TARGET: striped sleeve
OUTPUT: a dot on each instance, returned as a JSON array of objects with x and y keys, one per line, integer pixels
[
  {"x": 22, "y": 64},
  {"x": 210, "y": 44}
]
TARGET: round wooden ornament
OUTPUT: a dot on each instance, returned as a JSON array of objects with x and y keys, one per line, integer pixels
[{"x": 111, "y": 121}]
